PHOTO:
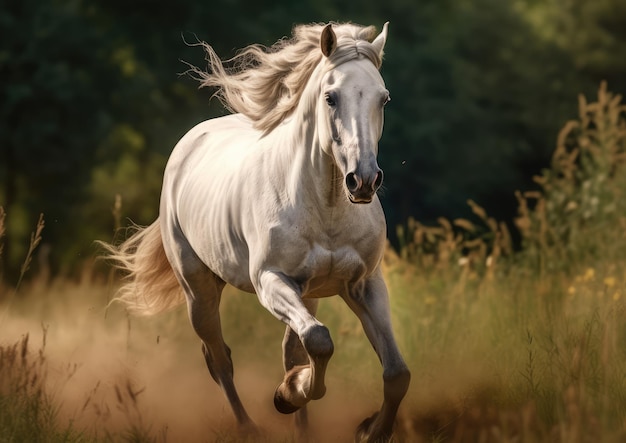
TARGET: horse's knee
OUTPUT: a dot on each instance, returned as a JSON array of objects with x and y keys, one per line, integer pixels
[
  {"x": 317, "y": 342},
  {"x": 397, "y": 379}
]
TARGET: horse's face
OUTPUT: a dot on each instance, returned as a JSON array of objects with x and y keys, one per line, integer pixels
[{"x": 352, "y": 101}]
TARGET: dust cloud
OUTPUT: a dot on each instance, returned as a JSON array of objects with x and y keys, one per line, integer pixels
[{"x": 111, "y": 373}]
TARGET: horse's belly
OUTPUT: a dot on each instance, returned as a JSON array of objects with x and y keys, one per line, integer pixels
[{"x": 323, "y": 287}]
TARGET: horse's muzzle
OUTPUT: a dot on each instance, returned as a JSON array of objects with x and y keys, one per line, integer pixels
[{"x": 362, "y": 187}]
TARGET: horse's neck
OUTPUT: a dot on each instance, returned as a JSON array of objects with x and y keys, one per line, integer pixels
[{"x": 313, "y": 173}]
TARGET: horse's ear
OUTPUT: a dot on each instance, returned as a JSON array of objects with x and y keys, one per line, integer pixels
[
  {"x": 328, "y": 40},
  {"x": 379, "y": 42}
]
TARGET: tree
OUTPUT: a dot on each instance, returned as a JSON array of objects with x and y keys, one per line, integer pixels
[{"x": 50, "y": 111}]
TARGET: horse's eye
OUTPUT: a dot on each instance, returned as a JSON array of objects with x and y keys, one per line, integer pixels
[{"x": 330, "y": 100}]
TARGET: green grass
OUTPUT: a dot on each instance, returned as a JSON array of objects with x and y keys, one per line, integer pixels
[{"x": 515, "y": 357}]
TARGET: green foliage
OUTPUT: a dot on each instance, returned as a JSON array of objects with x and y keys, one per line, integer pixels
[
  {"x": 580, "y": 210},
  {"x": 51, "y": 113},
  {"x": 536, "y": 332},
  {"x": 577, "y": 215},
  {"x": 591, "y": 33},
  {"x": 473, "y": 116},
  {"x": 92, "y": 103}
]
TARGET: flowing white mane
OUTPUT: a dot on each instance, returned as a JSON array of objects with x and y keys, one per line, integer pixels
[{"x": 266, "y": 84}]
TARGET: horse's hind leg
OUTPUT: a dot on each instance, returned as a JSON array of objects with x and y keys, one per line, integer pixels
[
  {"x": 203, "y": 291},
  {"x": 204, "y": 315}
]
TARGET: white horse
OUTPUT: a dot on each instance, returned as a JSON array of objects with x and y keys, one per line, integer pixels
[{"x": 279, "y": 199}]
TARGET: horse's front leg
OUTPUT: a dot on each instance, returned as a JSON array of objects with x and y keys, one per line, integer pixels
[
  {"x": 370, "y": 302},
  {"x": 304, "y": 379},
  {"x": 294, "y": 355}
]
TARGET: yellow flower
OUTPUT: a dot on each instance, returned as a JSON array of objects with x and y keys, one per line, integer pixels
[
  {"x": 617, "y": 295},
  {"x": 610, "y": 282},
  {"x": 590, "y": 274},
  {"x": 571, "y": 290}
]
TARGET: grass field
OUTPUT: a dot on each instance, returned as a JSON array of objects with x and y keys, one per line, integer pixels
[{"x": 503, "y": 345}]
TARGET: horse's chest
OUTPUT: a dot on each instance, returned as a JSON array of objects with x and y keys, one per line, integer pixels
[
  {"x": 326, "y": 271},
  {"x": 320, "y": 260}
]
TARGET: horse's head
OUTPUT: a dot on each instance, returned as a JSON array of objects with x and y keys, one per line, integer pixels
[{"x": 350, "y": 109}]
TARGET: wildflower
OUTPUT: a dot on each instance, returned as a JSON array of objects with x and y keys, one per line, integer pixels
[
  {"x": 617, "y": 295},
  {"x": 590, "y": 274},
  {"x": 571, "y": 290},
  {"x": 609, "y": 282},
  {"x": 571, "y": 206}
]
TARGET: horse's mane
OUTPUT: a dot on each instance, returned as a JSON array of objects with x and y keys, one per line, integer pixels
[{"x": 266, "y": 84}]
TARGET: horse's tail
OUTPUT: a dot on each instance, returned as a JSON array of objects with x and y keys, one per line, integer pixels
[{"x": 150, "y": 285}]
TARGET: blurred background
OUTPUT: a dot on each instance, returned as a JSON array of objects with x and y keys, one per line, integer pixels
[{"x": 93, "y": 101}]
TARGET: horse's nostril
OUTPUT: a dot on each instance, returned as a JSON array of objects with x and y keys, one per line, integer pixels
[
  {"x": 379, "y": 180},
  {"x": 352, "y": 182}
]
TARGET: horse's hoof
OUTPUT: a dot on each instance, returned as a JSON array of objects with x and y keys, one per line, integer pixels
[
  {"x": 282, "y": 405},
  {"x": 365, "y": 433},
  {"x": 362, "y": 431}
]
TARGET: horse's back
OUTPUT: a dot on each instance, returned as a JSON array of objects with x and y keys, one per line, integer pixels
[
  {"x": 206, "y": 159},
  {"x": 212, "y": 137}
]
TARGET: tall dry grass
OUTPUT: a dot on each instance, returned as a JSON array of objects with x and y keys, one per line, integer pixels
[
  {"x": 526, "y": 345},
  {"x": 27, "y": 413}
]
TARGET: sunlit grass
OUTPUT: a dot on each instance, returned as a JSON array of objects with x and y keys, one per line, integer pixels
[
  {"x": 515, "y": 359},
  {"x": 511, "y": 359}
]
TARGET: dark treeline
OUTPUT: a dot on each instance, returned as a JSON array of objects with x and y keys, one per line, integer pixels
[{"x": 93, "y": 100}]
